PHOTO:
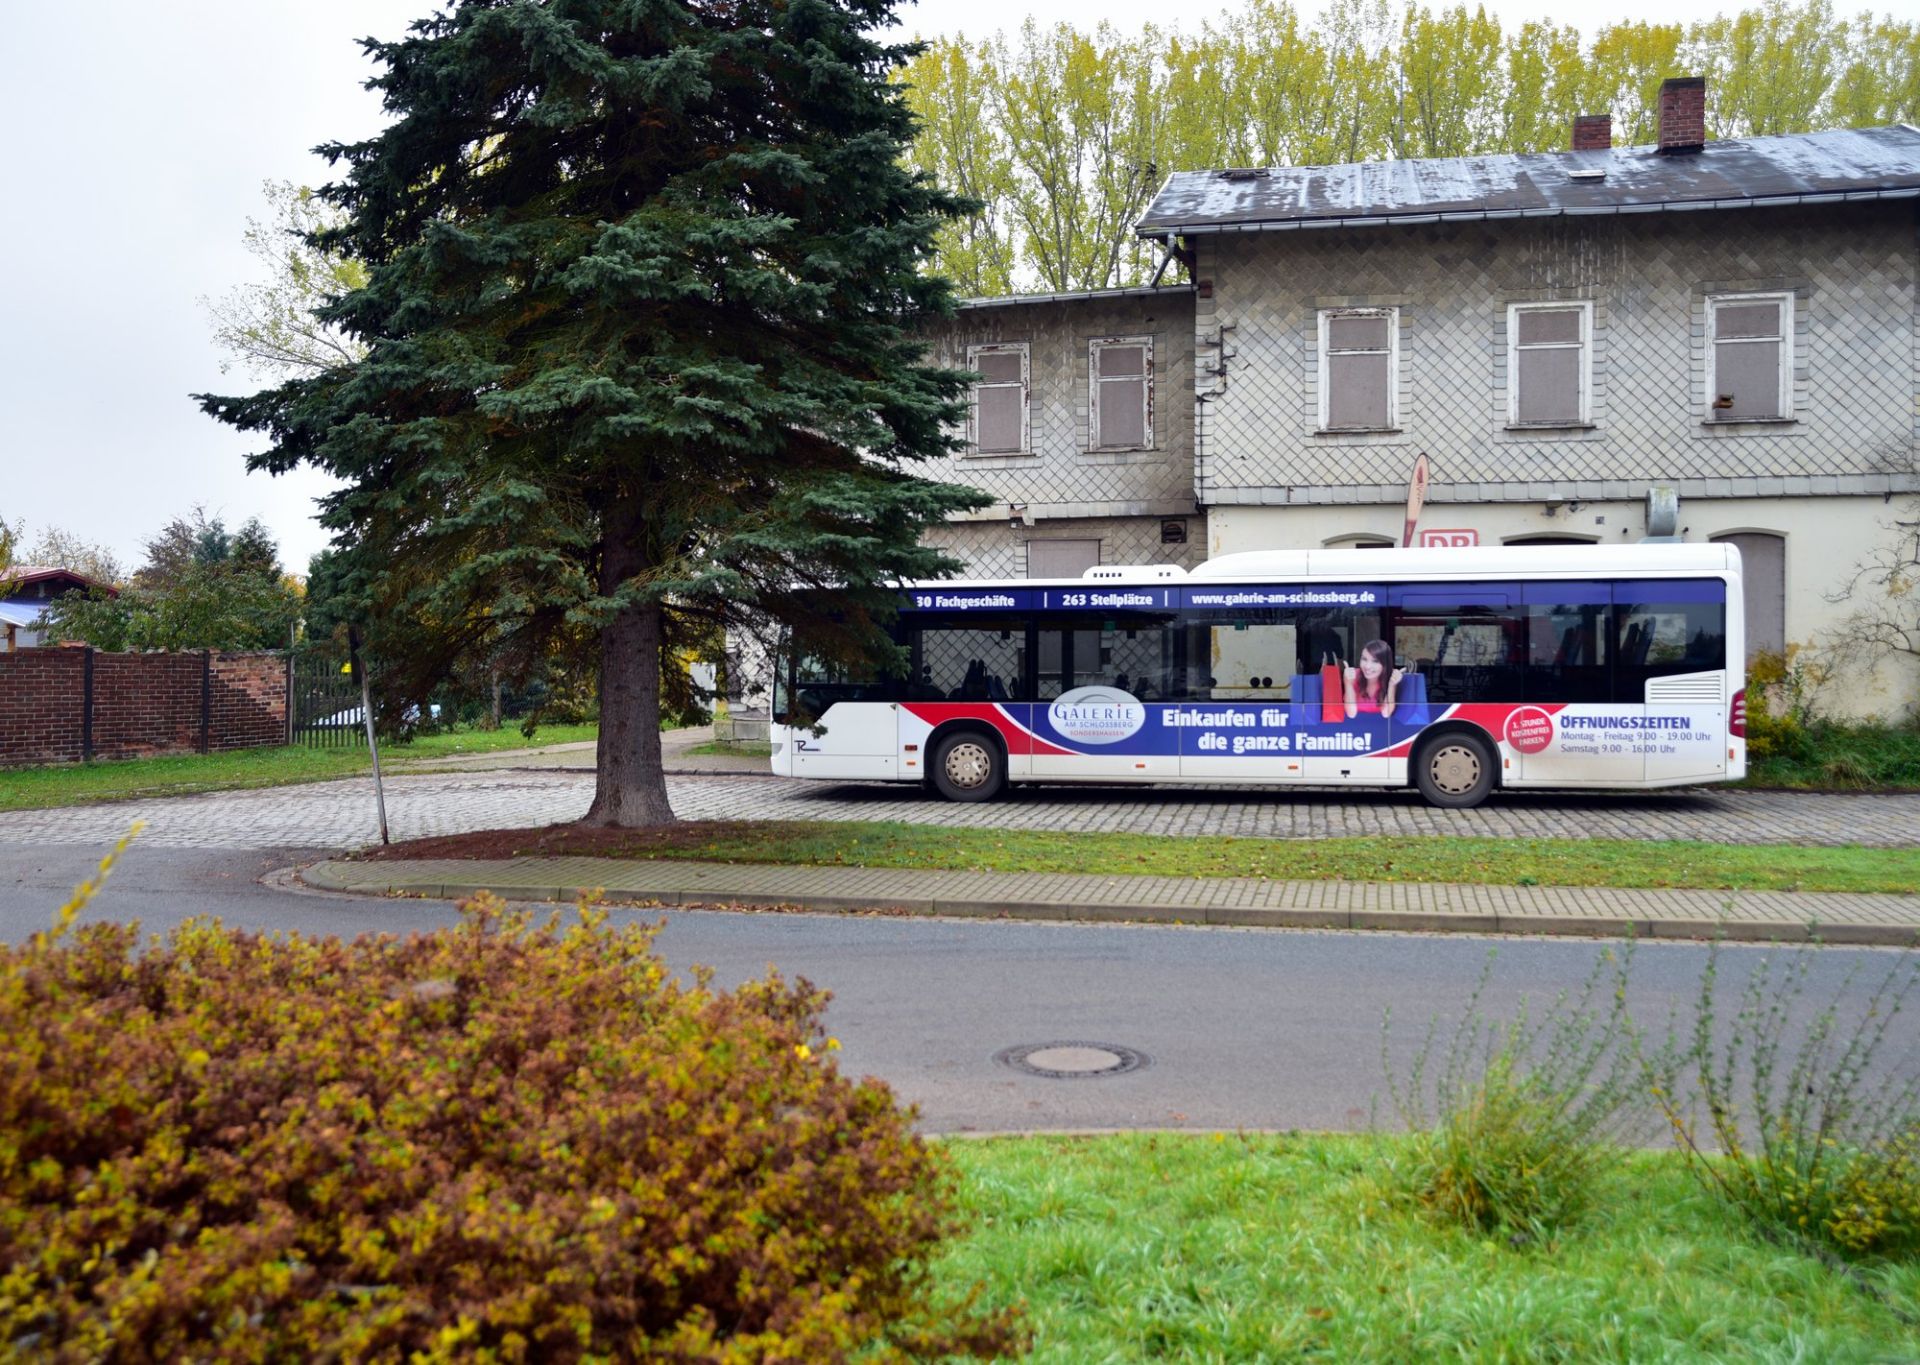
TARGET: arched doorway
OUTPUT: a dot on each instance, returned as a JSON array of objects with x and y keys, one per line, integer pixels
[{"x": 1763, "y": 560}]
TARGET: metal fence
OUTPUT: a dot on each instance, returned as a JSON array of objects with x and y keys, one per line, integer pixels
[{"x": 325, "y": 706}]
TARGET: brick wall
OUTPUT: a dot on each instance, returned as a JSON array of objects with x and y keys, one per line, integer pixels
[
  {"x": 142, "y": 704},
  {"x": 40, "y": 705}
]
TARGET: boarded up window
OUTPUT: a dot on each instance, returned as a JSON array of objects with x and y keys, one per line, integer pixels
[
  {"x": 1549, "y": 357},
  {"x": 1356, "y": 369},
  {"x": 999, "y": 399},
  {"x": 1061, "y": 558},
  {"x": 1122, "y": 392},
  {"x": 1750, "y": 354}
]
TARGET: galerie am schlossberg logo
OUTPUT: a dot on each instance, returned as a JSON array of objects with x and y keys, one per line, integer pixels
[{"x": 1097, "y": 715}]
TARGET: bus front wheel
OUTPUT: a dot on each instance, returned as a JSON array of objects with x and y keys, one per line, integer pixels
[
  {"x": 968, "y": 767},
  {"x": 1456, "y": 771}
]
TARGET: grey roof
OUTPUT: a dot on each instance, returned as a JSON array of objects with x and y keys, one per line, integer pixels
[
  {"x": 1074, "y": 296},
  {"x": 1795, "y": 168}
]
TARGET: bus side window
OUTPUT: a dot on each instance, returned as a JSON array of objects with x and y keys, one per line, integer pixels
[
  {"x": 968, "y": 658},
  {"x": 1666, "y": 629},
  {"x": 1570, "y": 650},
  {"x": 1131, "y": 651},
  {"x": 1468, "y": 651},
  {"x": 1243, "y": 656}
]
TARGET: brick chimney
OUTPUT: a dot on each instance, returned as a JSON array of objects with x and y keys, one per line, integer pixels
[
  {"x": 1592, "y": 132},
  {"x": 1683, "y": 114}
]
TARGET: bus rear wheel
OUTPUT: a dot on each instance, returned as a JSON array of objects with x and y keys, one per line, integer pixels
[
  {"x": 1455, "y": 771},
  {"x": 968, "y": 767}
]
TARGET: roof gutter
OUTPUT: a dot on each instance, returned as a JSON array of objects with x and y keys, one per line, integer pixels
[
  {"x": 1163, "y": 230},
  {"x": 1078, "y": 296}
]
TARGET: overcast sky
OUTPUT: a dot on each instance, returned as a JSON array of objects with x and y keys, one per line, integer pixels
[{"x": 140, "y": 138}]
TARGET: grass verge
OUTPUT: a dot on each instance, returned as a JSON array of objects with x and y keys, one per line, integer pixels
[
  {"x": 724, "y": 748},
  {"x": 1155, "y": 1247},
  {"x": 71, "y": 784},
  {"x": 1495, "y": 862}
]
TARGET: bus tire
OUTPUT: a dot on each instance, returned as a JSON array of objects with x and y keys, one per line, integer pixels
[
  {"x": 968, "y": 766},
  {"x": 1455, "y": 770}
]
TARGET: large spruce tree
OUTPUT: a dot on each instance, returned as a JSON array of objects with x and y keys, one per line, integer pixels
[{"x": 642, "y": 283}]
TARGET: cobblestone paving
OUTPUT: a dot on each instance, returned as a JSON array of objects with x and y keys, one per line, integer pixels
[{"x": 340, "y": 814}]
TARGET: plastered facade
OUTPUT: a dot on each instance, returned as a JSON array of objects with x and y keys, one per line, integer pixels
[{"x": 1824, "y": 540}]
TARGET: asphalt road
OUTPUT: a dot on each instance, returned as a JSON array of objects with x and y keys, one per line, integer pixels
[{"x": 1244, "y": 1028}]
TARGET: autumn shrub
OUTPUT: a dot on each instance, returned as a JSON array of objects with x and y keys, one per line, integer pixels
[
  {"x": 1802, "y": 1116},
  {"x": 508, "y": 1140},
  {"x": 1780, "y": 707},
  {"x": 1518, "y": 1122}
]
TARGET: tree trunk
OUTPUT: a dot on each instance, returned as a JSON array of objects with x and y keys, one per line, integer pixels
[{"x": 630, "y": 788}]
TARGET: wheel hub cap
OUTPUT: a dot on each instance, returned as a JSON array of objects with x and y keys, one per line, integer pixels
[
  {"x": 968, "y": 765},
  {"x": 1455, "y": 770}
]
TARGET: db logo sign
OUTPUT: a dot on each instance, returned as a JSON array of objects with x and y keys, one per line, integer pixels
[
  {"x": 1443, "y": 540},
  {"x": 1529, "y": 729}
]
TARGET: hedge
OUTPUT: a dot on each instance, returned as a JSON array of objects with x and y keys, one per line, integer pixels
[{"x": 509, "y": 1140}]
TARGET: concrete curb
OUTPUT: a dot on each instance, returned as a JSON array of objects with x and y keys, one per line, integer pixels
[{"x": 333, "y": 876}]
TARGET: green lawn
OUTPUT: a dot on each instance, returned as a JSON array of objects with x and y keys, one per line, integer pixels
[
  {"x": 1500, "y": 862},
  {"x": 180, "y": 774},
  {"x": 1224, "y": 1248},
  {"x": 725, "y": 748}
]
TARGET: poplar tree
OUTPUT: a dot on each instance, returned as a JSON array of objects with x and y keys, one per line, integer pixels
[{"x": 642, "y": 282}]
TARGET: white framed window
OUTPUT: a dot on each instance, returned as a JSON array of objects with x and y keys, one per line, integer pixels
[
  {"x": 1120, "y": 393},
  {"x": 1359, "y": 359},
  {"x": 1549, "y": 364},
  {"x": 1749, "y": 357},
  {"x": 998, "y": 413}
]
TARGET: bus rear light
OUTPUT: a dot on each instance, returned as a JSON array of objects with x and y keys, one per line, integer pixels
[
  {"x": 1737, "y": 717},
  {"x": 912, "y": 748}
]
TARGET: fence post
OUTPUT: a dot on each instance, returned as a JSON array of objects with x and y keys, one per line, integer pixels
[
  {"x": 86, "y": 705},
  {"x": 289, "y": 696},
  {"x": 206, "y": 701}
]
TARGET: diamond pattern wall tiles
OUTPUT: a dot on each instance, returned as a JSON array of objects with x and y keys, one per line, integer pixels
[
  {"x": 1850, "y": 269},
  {"x": 1061, "y": 476}
]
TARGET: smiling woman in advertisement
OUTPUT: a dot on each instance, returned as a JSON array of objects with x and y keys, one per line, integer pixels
[{"x": 1373, "y": 687}]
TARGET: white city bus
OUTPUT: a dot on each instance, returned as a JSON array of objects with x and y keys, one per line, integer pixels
[{"x": 1455, "y": 671}]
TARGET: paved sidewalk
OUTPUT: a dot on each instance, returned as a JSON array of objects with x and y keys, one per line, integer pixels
[
  {"x": 1748, "y": 915},
  {"x": 339, "y": 814}
]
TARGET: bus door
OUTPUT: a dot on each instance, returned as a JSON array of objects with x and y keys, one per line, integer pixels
[
  {"x": 857, "y": 725},
  {"x": 1105, "y": 681},
  {"x": 1342, "y": 748},
  {"x": 1574, "y": 730},
  {"x": 1673, "y": 661},
  {"x": 1236, "y": 723}
]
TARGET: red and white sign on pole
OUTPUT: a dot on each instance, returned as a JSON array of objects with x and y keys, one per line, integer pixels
[
  {"x": 1416, "y": 497},
  {"x": 1437, "y": 539}
]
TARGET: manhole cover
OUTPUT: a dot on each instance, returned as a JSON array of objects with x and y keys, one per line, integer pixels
[{"x": 1072, "y": 1061}]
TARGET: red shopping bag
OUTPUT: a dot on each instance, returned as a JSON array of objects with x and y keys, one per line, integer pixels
[{"x": 1333, "y": 693}]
